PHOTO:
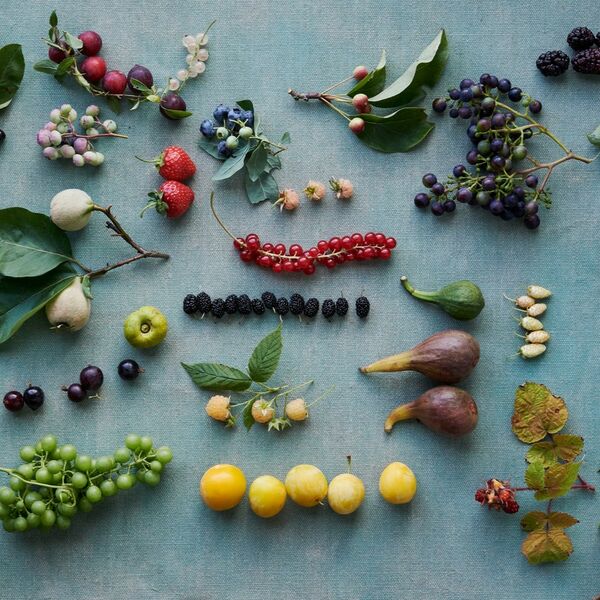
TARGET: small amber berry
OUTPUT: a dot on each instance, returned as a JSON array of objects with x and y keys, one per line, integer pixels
[
  {"x": 218, "y": 408},
  {"x": 262, "y": 411},
  {"x": 288, "y": 199},
  {"x": 343, "y": 188},
  {"x": 296, "y": 410},
  {"x": 315, "y": 191}
]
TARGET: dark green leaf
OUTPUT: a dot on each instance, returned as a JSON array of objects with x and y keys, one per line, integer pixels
[
  {"x": 265, "y": 357},
  {"x": 264, "y": 188},
  {"x": 73, "y": 41},
  {"x": 245, "y": 105},
  {"x": 558, "y": 481},
  {"x": 209, "y": 145},
  {"x": 140, "y": 87},
  {"x": 399, "y": 131},
  {"x": 534, "y": 475},
  {"x": 373, "y": 83},
  {"x": 257, "y": 162},
  {"x": 232, "y": 165},
  {"x": 217, "y": 377},
  {"x": 247, "y": 414},
  {"x": 12, "y": 67},
  {"x": 594, "y": 137},
  {"x": 114, "y": 104},
  {"x": 176, "y": 114},
  {"x": 30, "y": 243},
  {"x": 45, "y": 66},
  {"x": 425, "y": 71},
  {"x": 53, "y": 19},
  {"x": 21, "y": 298},
  {"x": 547, "y": 546},
  {"x": 63, "y": 67}
]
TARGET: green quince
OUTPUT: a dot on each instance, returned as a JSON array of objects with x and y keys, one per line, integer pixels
[{"x": 145, "y": 327}]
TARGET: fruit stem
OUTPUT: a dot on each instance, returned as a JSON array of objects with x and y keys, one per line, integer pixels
[
  {"x": 335, "y": 85},
  {"x": 397, "y": 362},
  {"x": 216, "y": 216},
  {"x": 335, "y": 108},
  {"x": 427, "y": 296},
  {"x": 400, "y": 413},
  {"x": 96, "y": 135}
]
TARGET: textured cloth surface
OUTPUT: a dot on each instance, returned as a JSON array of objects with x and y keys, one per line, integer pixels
[{"x": 163, "y": 543}]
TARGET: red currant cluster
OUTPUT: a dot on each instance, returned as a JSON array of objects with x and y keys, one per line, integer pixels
[{"x": 330, "y": 253}]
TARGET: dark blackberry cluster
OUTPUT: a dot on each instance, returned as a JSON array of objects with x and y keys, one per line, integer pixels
[
  {"x": 282, "y": 306},
  {"x": 328, "y": 308},
  {"x": 244, "y": 304},
  {"x": 498, "y": 133},
  {"x": 586, "y": 59},
  {"x": 553, "y": 63},
  {"x": 296, "y": 304},
  {"x": 363, "y": 306},
  {"x": 581, "y": 38},
  {"x": 311, "y": 308}
]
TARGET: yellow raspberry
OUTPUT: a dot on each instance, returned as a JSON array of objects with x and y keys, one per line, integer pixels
[
  {"x": 218, "y": 408},
  {"x": 296, "y": 410},
  {"x": 262, "y": 411}
]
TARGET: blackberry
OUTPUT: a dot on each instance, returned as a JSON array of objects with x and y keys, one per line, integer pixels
[
  {"x": 244, "y": 304},
  {"x": 296, "y": 304},
  {"x": 231, "y": 304},
  {"x": 258, "y": 306},
  {"x": 363, "y": 306},
  {"x": 282, "y": 306},
  {"x": 581, "y": 38},
  {"x": 552, "y": 63},
  {"x": 341, "y": 307},
  {"x": 328, "y": 308},
  {"x": 204, "y": 303},
  {"x": 218, "y": 308},
  {"x": 311, "y": 308},
  {"x": 269, "y": 299},
  {"x": 587, "y": 61},
  {"x": 190, "y": 304}
]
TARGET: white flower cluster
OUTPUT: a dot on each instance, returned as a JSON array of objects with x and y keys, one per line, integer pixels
[{"x": 197, "y": 56}]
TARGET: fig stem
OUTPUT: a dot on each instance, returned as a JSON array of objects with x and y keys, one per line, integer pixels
[
  {"x": 427, "y": 296},
  {"x": 396, "y": 362},
  {"x": 403, "y": 412}
]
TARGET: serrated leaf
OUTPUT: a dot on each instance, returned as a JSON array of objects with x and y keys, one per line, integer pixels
[
  {"x": 73, "y": 41},
  {"x": 533, "y": 520},
  {"x": 537, "y": 412},
  {"x": 257, "y": 161},
  {"x": 232, "y": 165},
  {"x": 399, "y": 131},
  {"x": 542, "y": 452},
  {"x": 12, "y": 67},
  {"x": 53, "y": 20},
  {"x": 218, "y": 377},
  {"x": 546, "y": 546},
  {"x": 265, "y": 357},
  {"x": 373, "y": 83},
  {"x": 176, "y": 114},
  {"x": 425, "y": 71},
  {"x": 534, "y": 475},
  {"x": 247, "y": 417},
  {"x": 558, "y": 481},
  {"x": 30, "y": 243},
  {"x": 45, "y": 66},
  {"x": 23, "y": 297},
  {"x": 594, "y": 137},
  {"x": 561, "y": 520},
  {"x": 568, "y": 447},
  {"x": 264, "y": 188}
]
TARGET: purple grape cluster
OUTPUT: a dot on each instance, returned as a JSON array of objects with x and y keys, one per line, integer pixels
[{"x": 498, "y": 132}]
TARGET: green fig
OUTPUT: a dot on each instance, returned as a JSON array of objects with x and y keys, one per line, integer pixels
[{"x": 462, "y": 300}]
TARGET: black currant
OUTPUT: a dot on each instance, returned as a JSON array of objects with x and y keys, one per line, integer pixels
[
  {"x": 33, "y": 397},
  {"x": 91, "y": 378},
  {"x": 13, "y": 401},
  {"x": 76, "y": 392},
  {"x": 129, "y": 369}
]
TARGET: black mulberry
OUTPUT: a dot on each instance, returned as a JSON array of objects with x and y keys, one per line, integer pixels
[
  {"x": 269, "y": 299},
  {"x": 587, "y": 61},
  {"x": 581, "y": 38},
  {"x": 328, "y": 308},
  {"x": 218, "y": 308},
  {"x": 204, "y": 303},
  {"x": 231, "y": 304},
  {"x": 311, "y": 308},
  {"x": 258, "y": 306},
  {"x": 244, "y": 304},
  {"x": 190, "y": 304},
  {"x": 341, "y": 307},
  {"x": 296, "y": 304},
  {"x": 363, "y": 306},
  {"x": 282, "y": 306},
  {"x": 552, "y": 63}
]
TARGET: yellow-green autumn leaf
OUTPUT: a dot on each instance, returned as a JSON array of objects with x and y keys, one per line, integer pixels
[
  {"x": 537, "y": 412},
  {"x": 547, "y": 546},
  {"x": 539, "y": 520},
  {"x": 543, "y": 453},
  {"x": 558, "y": 480},
  {"x": 535, "y": 476},
  {"x": 568, "y": 447}
]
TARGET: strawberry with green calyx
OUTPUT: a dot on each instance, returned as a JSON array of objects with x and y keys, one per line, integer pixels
[
  {"x": 172, "y": 199},
  {"x": 173, "y": 163}
]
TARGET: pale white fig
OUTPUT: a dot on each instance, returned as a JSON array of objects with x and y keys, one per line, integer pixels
[
  {"x": 71, "y": 209},
  {"x": 71, "y": 308}
]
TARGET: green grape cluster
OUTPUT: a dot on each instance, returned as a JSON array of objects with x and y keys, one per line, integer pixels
[{"x": 55, "y": 482}]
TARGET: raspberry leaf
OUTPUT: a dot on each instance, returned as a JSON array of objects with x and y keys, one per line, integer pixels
[
  {"x": 218, "y": 377},
  {"x": 12, "y": 67},
  {"x": 547, "y": 546},
  {"x": 373, "y": 83},
  {"x": 558, "y": 481},
  {"x": 561, "y": 520},
  {"x": 542, "y": 452},
  {"x": 533, "y": 520},
  {"x": 265, "y": 357},
  {"x": 535, "y": 476},
  {"x": 568, "y": 447},
  {"x": 247, "y": 413}
]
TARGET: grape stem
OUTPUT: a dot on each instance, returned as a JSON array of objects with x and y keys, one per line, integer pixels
[{"x": 323, "y": 97}]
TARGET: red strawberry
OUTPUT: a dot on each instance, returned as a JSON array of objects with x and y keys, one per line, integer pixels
[
  {"x": 173, "y": 163},
  {"x": 172, "y": 198}
]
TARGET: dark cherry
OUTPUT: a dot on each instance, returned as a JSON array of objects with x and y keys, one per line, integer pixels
[{"x": 13, "y": 401}]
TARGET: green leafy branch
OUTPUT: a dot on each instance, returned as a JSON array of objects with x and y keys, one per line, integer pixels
[
  {"x": 254, "y": 381},
  {"x": 405, "y": 127}
]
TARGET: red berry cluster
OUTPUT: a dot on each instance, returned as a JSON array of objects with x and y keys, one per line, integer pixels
[
  {"x": 498, "y": 495},
  {"x": 330, "y": 253}
]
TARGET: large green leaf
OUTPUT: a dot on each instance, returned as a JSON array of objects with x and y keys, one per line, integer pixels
[
  {"x": 373, "y": 83},
  {"x": 397, "y": 132},
  {"x": 21, "y": 298},
  {"x": 265, "y": 357},
  {"x": 218, "y": 377},
  {"x": 264, "y": 188},
  {"x": 233, "y": 164},
  {"x": 425, "y": 71},
  {"x": 257, "y": 162},
  {"x": 30, "y": 243},
  {"x": 12, "y": 67}
]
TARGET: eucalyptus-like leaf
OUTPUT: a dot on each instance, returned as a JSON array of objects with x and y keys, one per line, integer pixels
[
  {"x": 209, "y": 145},
  {"x": 425, "y": 71},
  {"x": 139, "y": 86},
  {"x": 176, "y": 114},
  {"x": 265, "y": 357},
  {"x": 373, "y": 83},
  {"x": 399, "y": 131},
  {"x": 218, "y": 377},
  {"x": 45, "y": 66},
  {"x": 257, "y": 162},
  {"x": 286, "y": 138},
  {"x": 233, "y": 164},
  {"x": 73, "y": 41},
  {"x": 30, "y": 243},
  {"x": 21, "y": 298},
  {"x": 273, "y": 162},
  {"x": 594, "y": 137},
  {"x": 264, "y": 188},
  {"x": 12, "y": 67}
]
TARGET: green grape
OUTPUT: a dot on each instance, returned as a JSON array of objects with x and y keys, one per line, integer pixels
[
  {"x": 151, "y": 478},
  {"x": 38, "y": 447},
  {"x": 48, "y": 518},
  {"x": 57, "y": 478},
  {"x": 93, "y": 494},
  {"x": 4, "y": 511},
  {"x": 55, "y": 454},
  {"x": 146, "y": 443},
  {"x": 156, "y": 466},
  {"x": 122, "y": 455},
  {"x": 7, "y": 496},
  {"x": 79, "y": 480},
  {"x": 67, "y": 510},
  {"x": 25, "y": 470},
  {"x": 133, "y": 441},
  {"x": 164, "y": 455},
  {"x": 125, "y": 481},
  {"x": 17, "y": 484},
  {"x": 63, "y": 495},
  {"x": 54, "y": 466},
  {"x": 83, "y": 463},
  {"x": 68, "y": 452},
  {"x": 9, "y": 525},
  {"x": 38, "y": 507},
  {"x": 33, "y": 521},
  {"x": 85, "y": 505},
  {"x": 108, "y": 487},
  {"x": 45, "y": 492},
  {"x": 19, "y": 505},
  {"x": 31, "y": 497},
  {"x": 140, "y": 475},
  {"x": 20, "y": 524},
  {"x": 48, "y": 443},
  {"x": 63, "y": 522},
  {"x": 42, "y": 475},
  {"x": 27, "y": 453},
  {"x": 105, "y": 463}
]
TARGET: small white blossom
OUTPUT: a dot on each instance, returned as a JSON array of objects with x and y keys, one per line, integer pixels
[
  {"x": 202, "y": 39},
  {"x": 182, "y": 75},
  {"x": 202, "y": 54},
  {"x": 173, "y": 84}
]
